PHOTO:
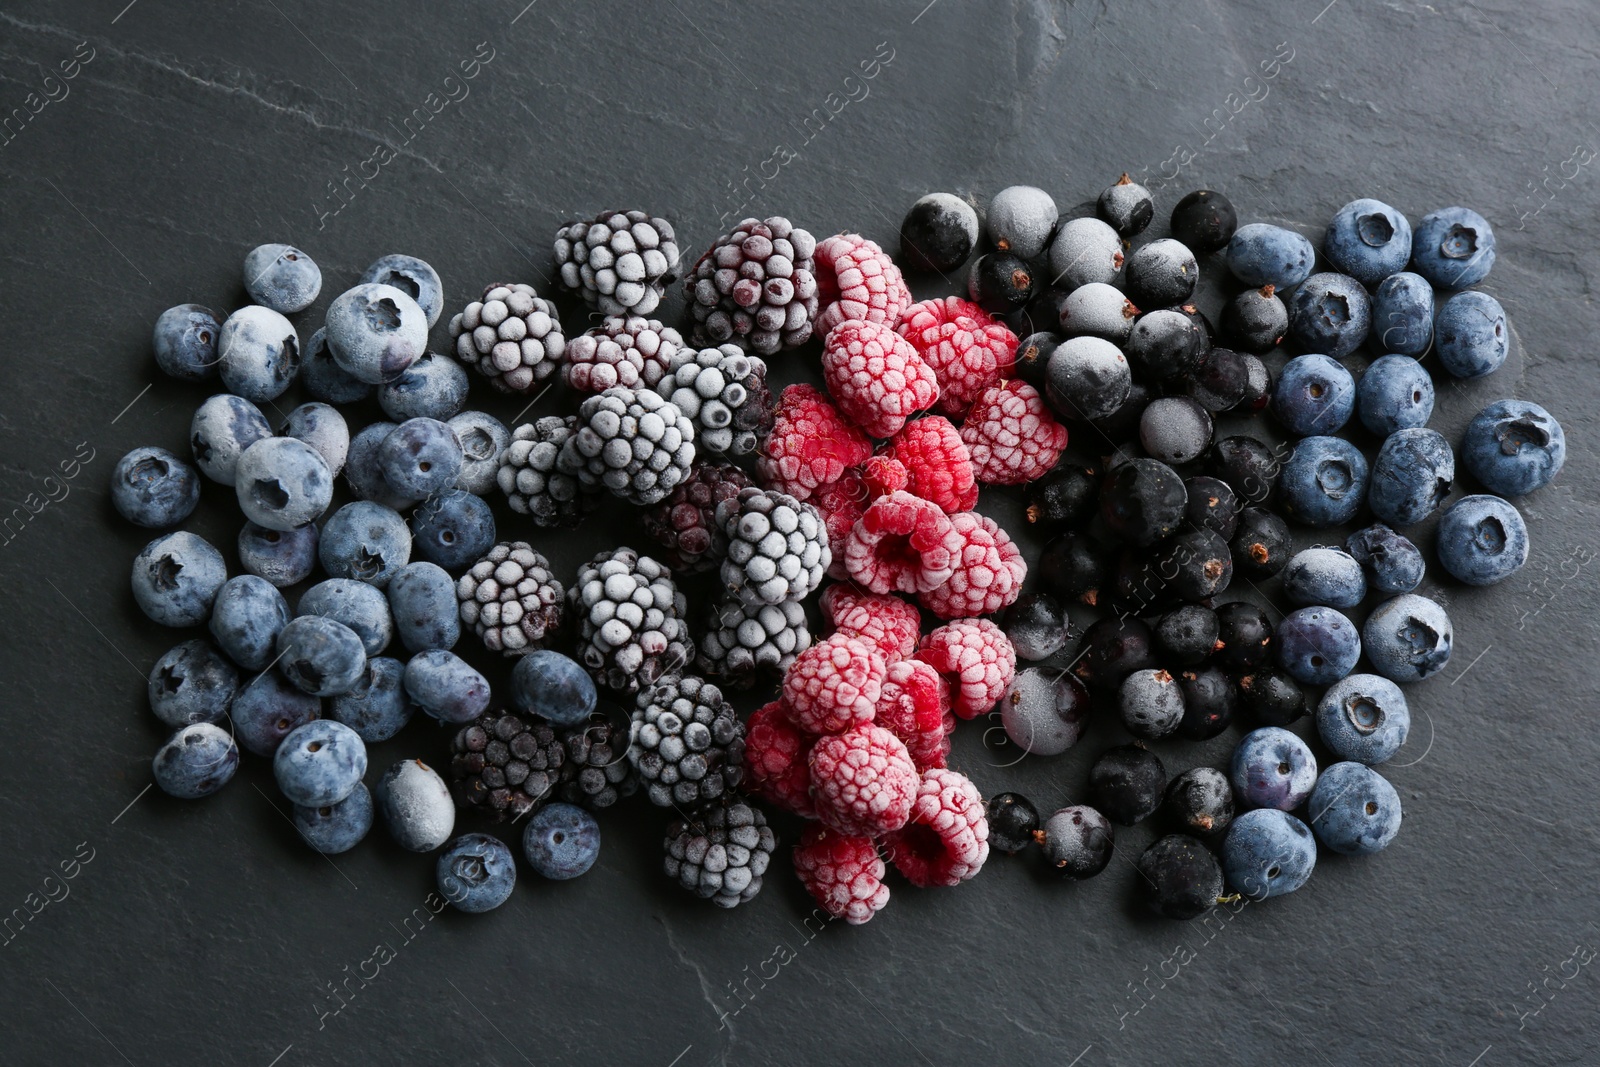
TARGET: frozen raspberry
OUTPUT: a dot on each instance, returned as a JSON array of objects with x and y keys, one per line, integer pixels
[
  {"x": 834, "y": 685},
  {"x": 876, "y": 377},
  {"x": 811, "y": 444},
  {"x": 938, "y": 465},
  {"x": 947, "y": 838},
  {"x": 966, "y": 348},
  {"x": 902, "y": 543},
  {"x": 857, "y": 280},
  {"x": 775, "y": 766},
  {"x": 915, "y": 701},
  {"x": 976, "y": 658},
  {"x": 988, "y": 575},
  {"x": 843, "y": 873},
  {"x": 1011, "y": 435},
  {"x": 883, "y": 475},
  {"x": 887, "y": 622},
  {"x": 841, "y": 504},
  {"x": 863, "y": 781}
]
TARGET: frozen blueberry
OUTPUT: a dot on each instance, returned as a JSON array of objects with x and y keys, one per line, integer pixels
[
  {"x": 1313, "y": 396},
  {"x": 1180, "y": 879},
  {"x": 939, "y": 233},
  {"x": 258, "y": 353},
  {"x": 1324, "y": 481},
  {"x": 377, "y": 706},
  {"x": 324, "y": 429},
  {"x": 360, "y": 606},
  {"x": 319, "y": 764},
  {"x": 1354, "y": 810},
  {"x": 1098, "y": 310},
  {"x": 1395, "y": 394},
  {"x": 420, "y": 457},
  {"x": 1272, "y": 698},
  {"x": 1200, "y": 800},
  {"x": 1328, "y": 576},
  {"x": 1044, "y": 713},
  {"x": 1126, "y": 206},
  {"x": 335, "y": 828},
  {"x": 195, "y": 762},
  {"x": 1175, "y": 429},
  {"x": 1013, "y": 821},
  {"x": 1160, "y": 274},
  {"x": 453, "y": 529},
  {"x": 176, "y": 578},
  {"x": 267, "y": 710},
  {"x": 365, "y": 541},
  {"x": 1256, "y": 320},
  {"x": 1037, "y": 626},
  {"x": 416, "y": 806},
  {"x": 1317, "y": 645},
  {"x": 1482, "y": 540},
  {"x": 185, "y": 341},
  {"x": 1330, "y": 313},
  {"x": 1268, "y": 853},
  {"x": 553, "y": 687},
  {"x": 364, "y": 474},
  {"x": 1368, "y": 240},
  {"x": 1246, "y": 636},
  {"x": 1020, "y": 220},
  {"x": 282, "y": 557},
  {"x": 191, "y": 683},
  {"x": 1514, "y": 447},
  {"x": 1076, "y": 842},
  {"x": 562, "y": 841},
  {"x": 154, "y": 488},
  {"x": 1272, "y": 768},
  {"x": 483, "y": 437},
  {"x": 1262, "y": 254},
  {"x": 324, "y": 379},
  {"x": 422, "y": 597},
  {"x": 281, "y": 277},
  {"x": 1166, "y": 346},
  {"x": 1363, "y": 718},
  {"x": 1391, "y": 563},
  {"x": 1205, "y": 221},
  {"x": 1150, "y": 704},
  {"x": 375, "y": 332},
  {"x": 1210, "y": 702},
  {"x": 320, "y": 656},
  {"x": 245, "y": 619},
  {"x": 1411, "y": 476},
  {"x": 1083, "y": 251},
  {"x": 1453, "y": 248},
  {"x": 1408, "y": 638},
  {"x": 1127, "y": 783},
  {"x": 1470, "y": 335},
  {"x": 283, "y": 483},
  {"x": 433, "y": 387},
  {"x": 443, "y": 685},
  {"x": 411, "y": 276},
  {"x": 1402, "y": 314},
  {"x": 1000, "y": 282},
  {"x": 223, "y": 427},
  {"x": 1143, "y": 501},
  {"x": 1087, "y": 378},
  {"x": 476, "y": 873}
]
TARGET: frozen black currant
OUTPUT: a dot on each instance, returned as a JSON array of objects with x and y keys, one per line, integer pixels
[
  {"x": 1012, "y": 822},
  {"x": 1067, "y": 496},
  {"x": 1246, "y": 636},
  {"x": 1200, "y": 801},
  {"x": 1175, "y": 429},
  {"x": 1262, "y": 544},
  {"x": 1074, "y": 568},
  {"x": 1166, "y": 346},
  {"x": 1221, "y": 381},
  {"x": 939, "y": 233},
  {"x": 1187, "y": 636},
  {"x": 1076, "y": 842},
  {"x": 1256, "y": 320},
  {"x": 1209, "y": 702},
  {"x": 1123, "y": 423},
  {"x": 1033, "y": 358},
  {"x": 1113, "y": 648},
  {"x": 1271, "y": 697},
  {"x": 1212, "y": 505},
  {"x": 1247, "y": 465},
  {"x": 1126, "y": 207},
  {"x": 1000, "y": 282},
  {"x": 1036, "y": 625},
  {"x": 1143, "y": 500},
  {"x": 1127, "y": 783},
  {"x": 1181, "y": 879},
  {"x": 1150, "y": 704},
  {"x": 1258, "y": 387},
  {"x": 1204, "y": 220},
  {"x": 1196, "y": 564},
  {"x": 1160, "y": 273}
]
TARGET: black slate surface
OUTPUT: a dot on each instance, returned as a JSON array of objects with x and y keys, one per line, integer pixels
[{"x": 207, "y": 934}]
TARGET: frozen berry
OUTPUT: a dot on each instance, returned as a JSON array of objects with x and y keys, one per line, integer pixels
[
  {"x": 1204, "y": 220},
  {"x": 862, "y": 781},
  {"x": 888, "y": 623},
  {"x": 977, "y": 659},
  {"x": 775, "y": 765},
  {"x": 811, "y": 444},
  {"x": 1160, "y": 274},
  {"x": 1175, "y": 429},
  {"x": 1067, "y": 496},
  {"x": 1187, "y": 637},
  {"x": 843, "y": 873},
  {"x": 1150, "y": 704},
  {"x": 1126, "y": 206},
  {"x": 1127, "y": 783},
  {"x": 1272, "y": 698},
  {"x": 1181, "y": 879},
  {"x": 1246, "y": 636},
  {"x": 1262, "y": 544},
  {"x": 1044, "y": 713},
  {"x": 999, "y": 282},
  {"x": 1143, "y": 500},
  {"x": 914, "y": 706},
  {"x": 1209, "y": 702},
  {"x": 904, "y": 544},
  {"x": 834, "y": 685},
  {"x": 1076, "y": 842},
  {"x": 946, "y": 839},
  {"x": 966, "y": 349},
  {"x": 1247, "y": 465},
  {"x": 1088, "y": 378},
  {"x": 1200, "y": 800},
  {"x": 937, "y": 462},
  {"x": 1166, "y": 346},
  {"x": 1113, "y": 648},
  {"x": 988, "y": 575},
  {"x": 876, "y": 377},
  {"x": 939, "y": 233},
  {"x": 1013, "y": 820},
  {"x": 1037, "y": 626},
  {"x": 1213, "y": 505},
  {"x": 857, "y": 280},
  {"x": 1256, "y": 320},
  {"x": 1011, "y": 435}
]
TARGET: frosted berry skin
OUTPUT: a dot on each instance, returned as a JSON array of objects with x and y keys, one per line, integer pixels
[
  {"x": 629, "y": 351},
  {"x": 1160, "y": 273},
  {"x": 281, "y": 277},
  {"x": 988, "y": 574},
  {"x": 1084, "y": 251},
  {"x": 857, "y": 280},
  {"x": 267, "y": 709},
  {"x": 1514, "y": 447},
  {"x": 1175, "y": 429},
  {"x": 1325, "y": 480},
  {"x": 1354, "y": 810},
  {"x": 1087, "y": 378},
  {"x": 1453, "y": 248},
  {"x": 1126, "y": 206},
  {"x": 945, "y": 841},
  {"x": 620, "y": 262},
  {"x": 1127, "y": 783},
  {"x": 1411, "y": 476},
  {"x": 876, "y": 377},
  {"x": 363, "y": 473},
  {"x": 966, "y": 348},
  {"x": 320, "y": 763},
  {"x": 1268, "y": 853},
  {"x": 1272, "y": 768},
  {"x": 365, "y": 541},
  {"x": 336, "y": 828},
  {"x": 1364, "y": 718},
  {"x": 195, "y": 762},
  {"x": 378, "y": 707},
  {"x": 1076, "y": 842},
  {"x": 1368, "y": 240},
  {"x": 1402, "y": 315},
  {"x": 937, "y": 462},
  {"x": 1262, "y": 254},
  {"x": 434, "y": 387},
  {"x": 902, "y": 543},
  {"x": 416, "y": 806},
  {"x": 1011, "y": 435},
  {"x": 777, "y": 547},
  {"x": 775, "y": 764},
  {"x": 976, "y": 658},
  {"x": 554, "y": 687},
  {"x": 411, "y": 276},
  {"x": 811, "y": 444},
  {"x": 282, "y": 483},
  {"x": 1395, "y": 393},
  {"x": 420, "y": 457},
  {"x": 938, "y": 233},
  {"x": 323, "y": 378},
  {"x": 324, "y": 429},
  {"x": 1327, "y": 576},
  {"x": 723, "y": 392},
  {"x": 191, "y": 683},
  {"x": 756, "y": 287},
  {"x": 862, "y": 781},
  {"x": 720, "y": 853},
  {"x": 151, "y": 487},
  {"x": 741, "y": 640},
  {"x": 246, "y": 618},
  {"x": 1317, "y": 645},
  {"x": 223, "y": 427},
  {"x": 1313, "y": 395},
  {"x": 1482, "y": 540},
  {"x": 1256, "y": 320},
  {"x": 1044, "y": 712},
  {"x": 176, "y": 578},
  {"x": 1200, "y": 800},
  {"x": 483, "y": 440},
  {"x": 320, "y": 656},
  {"x": 185, "y": 342},
  {"x": 258, "y": 354},
  {"x": 476, "y": 873},
  {"x": 445, "y": 686},
  {"x": 632, "y": 442},
  {"x": 888, "y": 623},
  {"x": 1391, "y": 563},
  {"x": 356, "y": 604},
  {"x": 914, "y": 707},
  {"x": 1470, "y": 335},
  {"x": 375, "y": 332},
  {"x": 512, "y": 336},
  {"x": 562, "y": 841},
  {"x": 834, "y": 685},
  {"x": 1097, "y": 310},
  {"x": 843, "y": 873},
  {"x": 452, "y": 529}
]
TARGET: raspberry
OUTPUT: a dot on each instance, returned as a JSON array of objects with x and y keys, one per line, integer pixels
[
  {"x": 857, "y": 280},
  {"x": 876, "y": 377},
  {"x": 915, "y": 701},
  {"x": 938, "y": 465},
  {"x": 863, "y": 781},
  {"x": 1011, "y": 435},
  {"x": 775, "y": 765},
  {"x": 902, "y": 543},
  {"x": 843, "y": 873},
  {"x": 947, "y": 838},
  {"x": 988, "y": 575},
  {"x": 976, "y": 658},
  {"x": 834, "y": 685},
  {"x": 966, "y": 348},
  {"x": 886, "y": 622},
  {"x": 811, "y": 444},
  {"x": 841, "y": 504},
  {"x": 883, "y": 475}
]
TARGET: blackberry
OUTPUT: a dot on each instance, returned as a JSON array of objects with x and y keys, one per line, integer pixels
[
  {"x": 512, "y": 337},
  {"x": 755, "y": 287},
  {"x": 596, "y": 772},
  {"x": 632, "y": 442},
  {"x": 686, "y": 742},
  {"x": 721, "y": 853},
  {"x": 632, "y": 352},
  {"x": 724, "y": 393},
  {"x": 777, "y": 546},
  {"x": 742, "y": 639},
  {"x": 504, "y": 766},
  {"x": 685, "y": 524},
  {"x": 532, "y": 480},
  {"x": 511, "y": 599},
  {"x": 620, "y": 263},
  {"x": 630, "y": 620}
]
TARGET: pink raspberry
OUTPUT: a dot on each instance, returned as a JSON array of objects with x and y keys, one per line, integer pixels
[
  {"x": 775, "y": 764},
  {"x": 876, "y": 377},
  {"x": 1011, "y": 435},
  {"x": 884, "y": 475},
  {"x": 938, "y": 465},
  {"x": 902, "y": 543},
  {"x": 841, "y": 504},
  {"x": 843, "y": 873},
  {"x": 988, "y": 575},
  {"x": 631, "y": 352},
  {"x": 966, "y": 348},
  {"x": 811, "y": 444},
  {"x": 976, "y": 658},
  {"x": 889, "y": 624},
  {"x": 863, "y": 781},
  {"x": 915, "y": 701},
  {"x": 946, "y": 839},
  {"x": 834, "y": 685},
  {"x": 857, "y": 280}
]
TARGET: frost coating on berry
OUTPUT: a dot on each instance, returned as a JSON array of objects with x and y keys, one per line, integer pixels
[
  {"x": 937, "y": 462},
  {"x": 834, "y": 685},
  {"x": 685, "y": 524},
  {"x": 724, "y": 393},
  {"x": 889, "y": 624},
  {"x": 743, "y": 639},
  {"x": 511, "y": 599},
  {"x": 876, "y": 377},
  {"x": 988, "y": 573},
  {"x": 630, "y": 620},
  {"x": 915, "y": 701},
  {"x": 841, "y": 504},
  {"x": 620, "y": 263},
  {"x": 862, "y": 781},
  {"x": 946, "y": 840},
  {"x": 976, "y": 658},
  {"x": 686, "y": 742},
  {"x": 530, "y": 477},
  {"x": 630, "y": 352},
  {"x": 902, "y": 543},
  {"x": 811, "y": 444},
  {"x": 966, "y": 348},
  {"x": 756, "y": 287},
  {"x": 843, "y": 873},
  {"x": 512, "y": 337},
  {"x": 857, "y": 280},
  {"x": 721, "y": 854},
  {"x": 632, "y": 442},
  {"x": 777, "y": 547},
  {"x": 1011, "y": 435},
  {"x": 504, "y": 766},
  {"x": 775, "y": 764}
]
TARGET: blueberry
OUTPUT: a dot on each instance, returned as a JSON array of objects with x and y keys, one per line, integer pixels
[
  {"x": 416, "y": 806},
  {"x": 1000, "y": 282},
  {"x": 1083, "y": 251},
  {"x": 483, "y": 437},
  {"x": 1044, "y": 713},
  {"x": 1256, "y": 320},
  {"x": 1036, "y": 625},
  {"x": 1087, "y": 378},
  {"x": 365, "y": 541},
  {"x": 1150, "y": 704},
  {"x": 1200, "y": 800},
  {"x": 476, "y": 873},
  {"x": 1407, "y": 638},
  {"x": 377, "y": 706},
  {"x": 283, "y": 483},
  {"x": 1166, "y": 346},
  {"x": 1221, "y": 380},
  {"x": 1013, "y": 820},
  {"x": 282, "y": 557},
  {"x": 1324, "y": 481},
  {"x": 1262, "y": 254},
  {"x": 1272, "y": 768},
  {"x": 267, "y": 709},
  {"x": 1098, "y": 310},
  {"x": 420, "y": 457},
  {"x": 562, "y": 841},
  {"x": 411, "y": 276},
  {"x": 185, "y": 341},
  {"x": 282, "y": 278},
  {"x": 1514, "y": 447},
  {"x": 1391, "y": 563},
  {"x": 1272, "y": 698},
  {"x": 1354, "y": 810},
  {"x": 1317, "y": 645},
  {"x": 1074, "y": 568},
  {"x": 1368, "y": 240},
  {"x": 375, "y": 332},
  {"x": 1175, "y": 429},
  {"x": 1395, "y": 394},
  {"x": 191, "y": 683},
  {"x": 1363, "y": 718},
  {"x": 1411, "y": 476},
  {"x": 1077, "y": 842},
  {"x": 335, "y": 828},
  {"x": 1213, "y": 505},
  {"x": 553, "y": 687},
  {"x": 154, "y": 488},
  {"x": 258, "y": 353},
  {"x": 939, "y": 233},
  {"x": 364, "y": 474},
  {"x": 223, "y": 427},
  {"x": 1470, "y": 335},
  {"x": 1482, "y": 540},
  {"x": 324, "y": 379},
  {"x": 1247, "y": 465},
  {"x": 324, "y": 429},
  {"x": 1126, "y": 206},
  {"x": 1187, "y": 637},
  {"x": 1268, "y": 853},
  {"x": 319, "y": 764},
  {"x": 433, "y": 387},
  {"x": 1020, "y": 220},
  {"x": 1209, "y": 702},
  {"x": 320, "y": 656},
  {"x": 1313, "y": 395},
  {"x": 1143, "y": 501},
  {"x": 1246, "y": 636},
  {"x": 453, "y": 529},
  {"x": 1160, "y": 274},
  {"x": 444, "y": 686},
  {"x": 1179, "y": 878},
  {"x": 1452, "y": 248},
  {"x": 1205, "y": 221},
  {"x": 195, "y": 762},
  {"x": 176, "y": 578},
  {"x": 245, "y": 619},
  {"x": 422, "y": 598},
  {"x": 1127, "y": 783},
  {"x": 360, "y": 606},
  {"x": 1402, "y": 315},
  {"x": 1330, "y": 313},
  {"x": 1328, "y": 576}
]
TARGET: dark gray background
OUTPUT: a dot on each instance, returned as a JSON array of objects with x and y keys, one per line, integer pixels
[{"x": 206, "y": 933}]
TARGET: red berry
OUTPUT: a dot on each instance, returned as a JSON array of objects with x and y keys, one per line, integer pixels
[
  {"x": 988, "y": 574},
  {"x": 966, "y": 348},
  {"x": 915, "y": 702},
  {"x": 834, "y": 685},
  {"x": 857, "y": 280},
  {"x": 902, "y": 543},
  {"x": 811, "y": 444},
  {"x": 1011, "y": 435},
  {"x": 876, "y": 377},
  {"x": 976, "y": 658},
  {"x": 946, "y": 839},
  {"x": 889, "y": 624},
  {"x": 884, "y": 475},
  {"x": 938, "y": 465},
  {"x": 775, "y": 764},
  {"x": 843, "y": 873},
  {"x": 841, "y": 504},
  {"x": 863, "y": 781}
]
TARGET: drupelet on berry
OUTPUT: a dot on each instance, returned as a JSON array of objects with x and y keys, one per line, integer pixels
[
  {"x": 876, "y": 377},
  {"x": 988, "y": 573}
]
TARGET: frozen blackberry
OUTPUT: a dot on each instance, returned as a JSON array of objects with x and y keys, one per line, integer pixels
[
  {"x": 1126, "y": 207},
  {"x": 630, "y": 620},
  {"x": 504, "y": 766},
  {"x": 632, "y": 442},
  {"x": 596, "y": 772},
  {"x": 742, "y": 639},
  {"x": 686, "y": 742},
  {"x": 724, "y": 393},
  {"x": 621, "y": 262},
  {"x": 777, "y": 546},
  {"x": 721, "y": 853},
  {"x": 512, "y": 337},
  {"x": 685, "y": 524},
  {"x": 755, "y": 287},
  {"x": 511, "y": 599},
  {"x": 632, "y": 352},
  {"x": 1012, "y": 822},
  {"x": 532, "y": 480}
]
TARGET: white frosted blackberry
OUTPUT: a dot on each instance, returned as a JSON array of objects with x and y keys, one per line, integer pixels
[
  {"x": 512, "y": 337},
  {"x": 686, "y": 742},
  {"x": 756, "y": 287},
  {"x": 777, "y": 547},
  {"x": 720, "y": 854},
  {"x": 724, "y": 392},
  {"x": 632, "y": 442},
  {"x": 621, "y": 262},
  {"x": 744, "y": 639},
  {"x": 511, "y": 599},
  {"x": 532, "y": 480},
  {"x": 630, "y": 620}
]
